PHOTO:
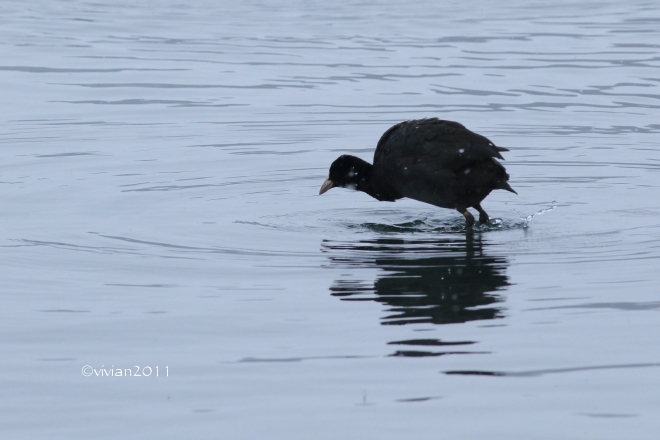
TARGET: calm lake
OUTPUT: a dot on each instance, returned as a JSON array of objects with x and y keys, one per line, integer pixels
[{"x": 170, "y": 271}]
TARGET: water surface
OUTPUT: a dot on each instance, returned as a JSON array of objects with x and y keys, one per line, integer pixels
[{"x": 160, "y": 171}]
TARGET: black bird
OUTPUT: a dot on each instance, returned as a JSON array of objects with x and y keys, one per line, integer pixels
[{"x": 430, "y": 160}]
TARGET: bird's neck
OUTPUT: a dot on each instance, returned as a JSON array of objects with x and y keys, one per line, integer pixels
[
  {"x": 363, "y": 178},
  {"x": 368, "y": 183}
]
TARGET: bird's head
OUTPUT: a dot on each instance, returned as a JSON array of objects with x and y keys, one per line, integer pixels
[{"x": 347, "y": 172}]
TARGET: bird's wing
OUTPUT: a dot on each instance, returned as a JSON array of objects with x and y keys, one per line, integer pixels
[{"x": 433, "y": 144}]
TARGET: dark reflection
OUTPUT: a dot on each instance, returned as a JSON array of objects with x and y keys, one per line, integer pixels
[{"x": 438, "y": 281}]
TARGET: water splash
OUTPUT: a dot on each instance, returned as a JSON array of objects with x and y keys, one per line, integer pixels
[
  {"x": 426, "y": 225},
  {"x": 492, "y": 225},
  {"x": 526, "y": 221}
]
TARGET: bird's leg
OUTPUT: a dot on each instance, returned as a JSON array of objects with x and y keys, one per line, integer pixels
[
  {"x": 469, "y": 219},
  {"x": 483, "y": 216}
]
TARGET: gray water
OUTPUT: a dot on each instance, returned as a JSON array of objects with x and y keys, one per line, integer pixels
[{"x": 159, "y": 180}]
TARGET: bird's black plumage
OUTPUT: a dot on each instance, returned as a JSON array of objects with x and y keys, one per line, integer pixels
[{"x": 430, "y": 160}]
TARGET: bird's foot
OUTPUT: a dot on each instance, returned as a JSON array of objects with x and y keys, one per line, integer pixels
[{"x": 484, "y": 219}]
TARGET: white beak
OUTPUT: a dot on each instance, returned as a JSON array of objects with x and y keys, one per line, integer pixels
[{"x": 326, "y": 186}]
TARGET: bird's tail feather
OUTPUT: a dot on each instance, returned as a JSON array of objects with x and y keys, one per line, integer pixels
[{"x": 503, "y": 184}]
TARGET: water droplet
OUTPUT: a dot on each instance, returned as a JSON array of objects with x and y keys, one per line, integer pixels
[{"x": 527, "y": 220}]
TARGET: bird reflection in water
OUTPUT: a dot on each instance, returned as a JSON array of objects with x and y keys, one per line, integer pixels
[{"x": 426, "y": 281}]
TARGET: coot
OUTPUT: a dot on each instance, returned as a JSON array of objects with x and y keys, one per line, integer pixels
[{"x": 430, "y": 160}]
